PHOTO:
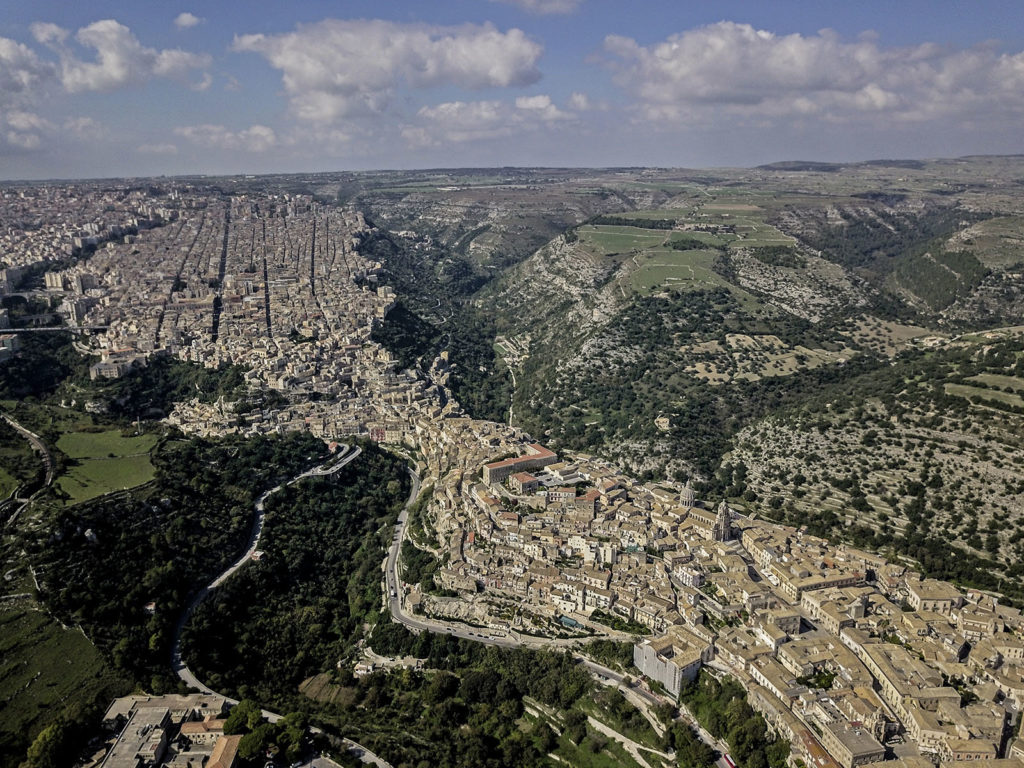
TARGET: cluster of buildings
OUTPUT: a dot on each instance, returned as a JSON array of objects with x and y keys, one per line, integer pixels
[
  {"x": 170, "y": 731},
  {"x": 852, "y": 658},
  {"x": 272, "y": 283},
  {"x": 48, "y": 222}
]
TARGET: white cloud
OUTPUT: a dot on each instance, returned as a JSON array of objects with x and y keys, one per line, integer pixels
[
  {"x": 336, "y": 69},
  {"x": 24, "y": 129},
  {"x": 187, "y": 20},
  {"x": 257, "y": 138},
  {"x": 463, "y": 121},
  {"x": 544, "y": 7},
  {"x": 84, "y": 128},
  {"x": 23, "y": 76},
  {"x": 22, "y": 72},
  {"x": 157, "y": 149},
  {"x": 541, "y": 108},
  {"x": 579, "y": 101},
  {"x": 742, "y": 71},
  {"x": 120, "y": 58}
]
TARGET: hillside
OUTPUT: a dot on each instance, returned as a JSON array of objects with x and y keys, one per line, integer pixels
[{"x": 693, "y": 319}]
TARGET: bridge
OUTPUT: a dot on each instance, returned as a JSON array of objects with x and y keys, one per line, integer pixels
[{"x": 55, "y": 329}]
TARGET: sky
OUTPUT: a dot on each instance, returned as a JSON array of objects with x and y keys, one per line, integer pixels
[{"x": 110, "y": 88}]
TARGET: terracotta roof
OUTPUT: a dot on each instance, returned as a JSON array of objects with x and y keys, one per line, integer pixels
[{"x": 224, "y": 752}]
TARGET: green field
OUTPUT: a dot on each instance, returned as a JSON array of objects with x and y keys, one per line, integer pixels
[
  {"x": 44, "y": 670},
  {"x": 107, "y": 444},
  {"x": 753, "y": 233},
  {"x": 992, "y": 395},
  {"x": 1003, "y": 382},
  {"x": 684, "y": 270},
  {"x": 606, "y": 238},
  {"x": 104, "y": 462}
]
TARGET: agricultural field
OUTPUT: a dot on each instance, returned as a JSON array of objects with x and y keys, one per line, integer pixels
[
  {"x": 662, "y": 268},
  {"x": 993, "y": 380},
  {"x": 983, "y": 393},
  {"x": 607, "y": 239},
  {"x": 102, "y": 462},
  {"x": 997, "y": 242}
]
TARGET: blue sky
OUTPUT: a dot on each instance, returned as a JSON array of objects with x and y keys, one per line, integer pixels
[{"x": 110, "y": 88}]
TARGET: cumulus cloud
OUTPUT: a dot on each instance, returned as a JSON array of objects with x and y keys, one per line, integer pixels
[
  {"x": 544, "y": 7},
  {"x": 23, "y": 75},
  {"x": 257, "y": 138},
  {"x": 120, "y": 58},
  {"x": 22, "y": 72},
  {"x": 157, "y": 149},
  {"x": 187, "y": 20},
  {"x": 24, "y": 129},
  {"x": 462, "y": 121},
  {"x": 338, "y": 69},
  {"x": 741, "y": 70}
]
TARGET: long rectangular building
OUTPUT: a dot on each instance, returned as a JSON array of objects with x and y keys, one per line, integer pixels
[{"x": 538, "y": 456}]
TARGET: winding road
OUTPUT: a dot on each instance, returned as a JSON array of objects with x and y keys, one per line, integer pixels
[
  {"x": 178, "y": 664},
  {"x": 502, "y": 640},
  {"x": 39, "y": 447}
]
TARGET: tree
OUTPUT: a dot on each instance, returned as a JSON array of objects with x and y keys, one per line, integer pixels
[
  {"x": 243, "y": 717},
  {"x": 49, "y": 750},
  {"x": 575, "y": 726}
]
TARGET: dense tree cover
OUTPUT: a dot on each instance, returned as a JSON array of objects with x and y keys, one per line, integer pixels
[
  {"x": 875, "y": 240},
  {"x": 406, "y": 335},
  {"x": 58, "y": 743},
  {"x": 630, "y": 394},
  {"x": 693, "y": 244},
  {"x": 722, "y": 708},
  {"x": 164, "y": 380},
  {"x": 779, "y": 256},
  {"x": 691, "y": 751},
  {"x": 938, "y": 276},
  {"x": 439, "y": 720},
  {"x": 43, "y": 363},
  {"x": 463, "y": 719},
  {"x": 287, "y": 736},
  {"x": 300, "y": 608},
  {"x": 419, "y": 567},
  {"x": 102, "y": 562},
  {"x": 611, "y": 653},
  {"x": 49, "y": 368},
  {"x": 18, "y": 458},
  {"x": 626, "y": 221}
]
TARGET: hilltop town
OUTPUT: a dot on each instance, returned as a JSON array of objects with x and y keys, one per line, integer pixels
[{"x": 852, "y": 657}]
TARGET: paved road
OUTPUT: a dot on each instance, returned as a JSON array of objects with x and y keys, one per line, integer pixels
[
  {"x": 178, "y": 664},
  {"x": 503, "y": 640},
  {"x": 393, "y": 583},
  {"x": 40, "y": 447}
]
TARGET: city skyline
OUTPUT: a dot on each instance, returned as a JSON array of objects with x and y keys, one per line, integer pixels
[{"x": 116, "y": 89}]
